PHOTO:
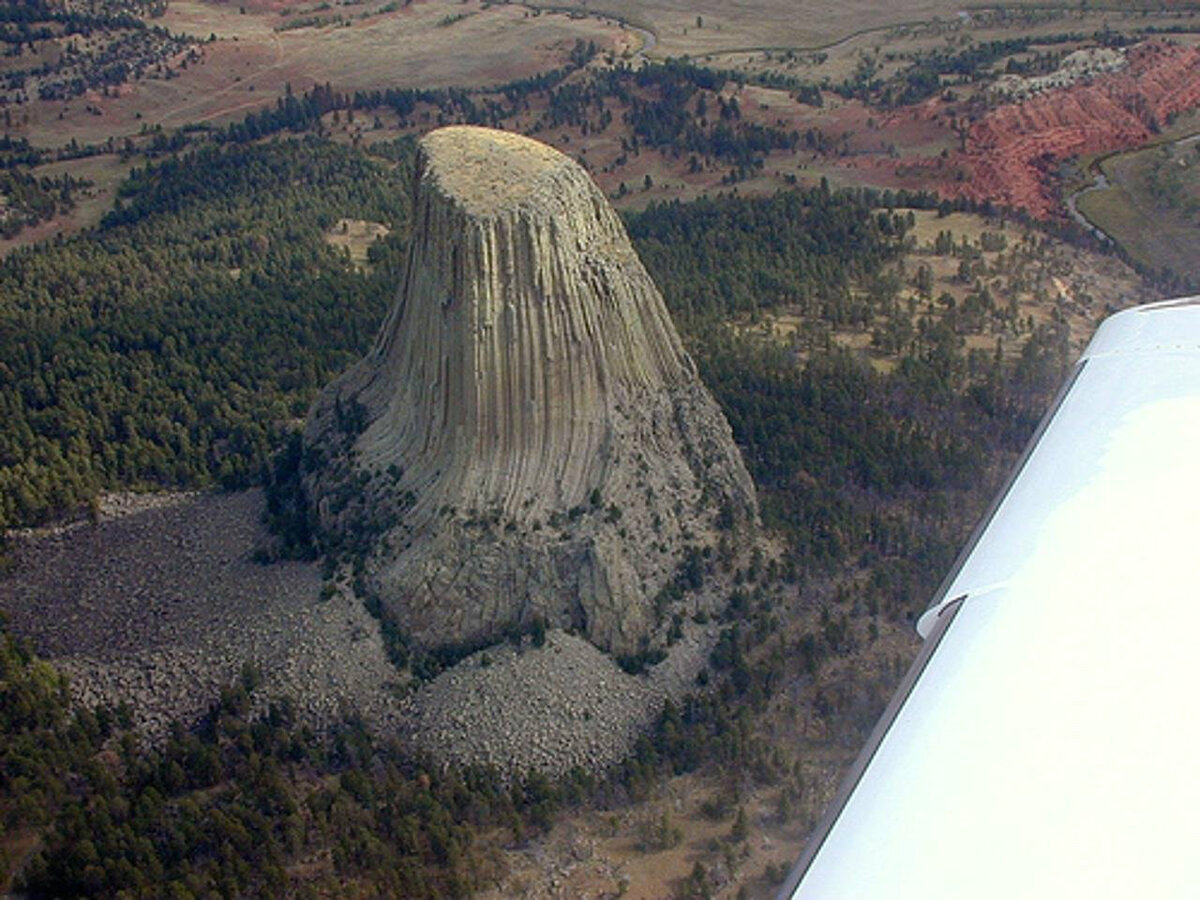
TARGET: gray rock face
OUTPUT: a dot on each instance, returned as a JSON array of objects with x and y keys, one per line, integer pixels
[{"x": 527, "y": 437}]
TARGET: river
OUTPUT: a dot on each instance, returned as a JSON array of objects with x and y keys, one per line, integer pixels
[{"x": 1100, "y": 183}]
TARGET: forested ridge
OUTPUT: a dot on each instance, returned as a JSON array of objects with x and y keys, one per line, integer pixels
[
  {"x": 173, "y": 345},
  {"x": 851, "y": 462},
  {"x": 673, "y": 107},
  {"x": 720, "y": 257}
]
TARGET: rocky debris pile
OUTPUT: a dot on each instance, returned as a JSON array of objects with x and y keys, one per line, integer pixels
[
  {"x": 312, "y": 654},
  {"x": 118, "y": 504},
  {"x": 527, "y": 439},
  {"x": 163, "y": 606},
  {"x": 1078, "y": 66},
  {"x": 548, "y": 708},
  {"x": 115, "y": 505}
]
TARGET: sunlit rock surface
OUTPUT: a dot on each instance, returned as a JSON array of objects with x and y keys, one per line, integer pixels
[{"x": 527, "y": 438}]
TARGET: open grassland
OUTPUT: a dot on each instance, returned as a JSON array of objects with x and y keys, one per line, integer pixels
[
  {"x": 709, "y": 26},
  {"x": 1151, "y": 205},
  {"x": 256, "y": 56},
  {"x": 1122, "y": 211},
  {"x": 704, "y": 27},
  {"x": 431, "y": 44},
  {"x": 1044, "y": 280}
]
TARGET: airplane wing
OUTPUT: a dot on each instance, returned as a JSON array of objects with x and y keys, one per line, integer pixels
[{"x": 1046, "y": 742}]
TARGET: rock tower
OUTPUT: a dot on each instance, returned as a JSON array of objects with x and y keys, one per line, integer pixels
[{"x": 527, "y": 438}]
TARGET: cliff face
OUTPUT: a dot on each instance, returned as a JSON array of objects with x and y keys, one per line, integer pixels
[
  {"x": 1010, "y": 148},
  {"x": 1012, "y": 151},
  {"x": 527, "y": 437}
]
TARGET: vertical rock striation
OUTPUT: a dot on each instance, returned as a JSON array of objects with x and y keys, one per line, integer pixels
[{"x": 527, "y": 438}]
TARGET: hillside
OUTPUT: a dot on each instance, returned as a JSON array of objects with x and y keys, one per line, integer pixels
[
  {"x": 200, "y": 236},
  {"x": 1010, "y": 150},
  {"x": 868, "y": 476}
]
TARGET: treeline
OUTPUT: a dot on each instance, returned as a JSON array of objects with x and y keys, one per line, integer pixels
[
  {"x": 241, "y": 805},
  {"x": 851, "y": 461},
  {"x": 29, "y": 199},
  {"x": 729, "y": 255},
  {"x": 452, "y": 105},
  {"x": 16, "y": 152},
  {"x": 673, "y": 107},
  {"x": 176, "y": 343}
]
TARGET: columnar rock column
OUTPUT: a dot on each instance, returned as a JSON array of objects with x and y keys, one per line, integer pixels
[{"x": 527, "y": 438}]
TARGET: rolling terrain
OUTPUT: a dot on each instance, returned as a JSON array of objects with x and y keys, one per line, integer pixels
[{"x": 196, "y": 245}]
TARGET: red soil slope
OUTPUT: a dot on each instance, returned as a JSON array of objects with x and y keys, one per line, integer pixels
[{"x": 1010, "y": 148}]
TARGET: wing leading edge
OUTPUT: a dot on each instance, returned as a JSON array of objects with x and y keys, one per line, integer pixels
[{"x": 1043, "y": 744}]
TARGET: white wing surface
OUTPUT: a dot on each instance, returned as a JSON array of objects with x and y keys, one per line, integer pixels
[{"x": 1046, "y": 743}]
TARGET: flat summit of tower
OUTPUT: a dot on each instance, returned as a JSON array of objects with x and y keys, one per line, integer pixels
[{"x": 488, "y": 171}]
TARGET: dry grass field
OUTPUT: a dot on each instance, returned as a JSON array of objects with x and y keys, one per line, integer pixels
[
  {"x": 607, "y": 853},
  {"x": 705, "y": 28},
  {"x": 105, "y": 172},
  {"x": 1150, "y": 202},
  {"x": 700, "y": 27},
  {"x": 252, "y": 61}
]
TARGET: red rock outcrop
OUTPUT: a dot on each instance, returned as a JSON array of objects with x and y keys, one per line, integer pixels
[
  {"x": 1009, "y": 149},
  {"x": 1012, "y": 150}
]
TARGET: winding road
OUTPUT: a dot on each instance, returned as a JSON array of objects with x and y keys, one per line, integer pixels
[
  {"x": 649, "y": 42},
  {"x": 1099, "y": 183}
]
